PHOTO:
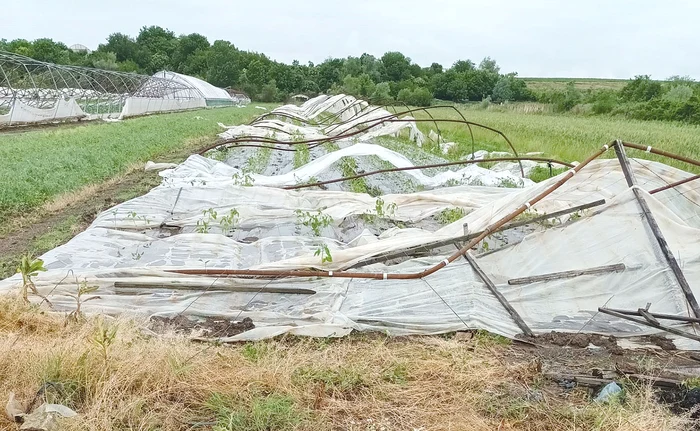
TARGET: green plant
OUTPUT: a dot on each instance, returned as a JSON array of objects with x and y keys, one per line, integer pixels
[
  {"x": 324, "y": 252},
  {"x": 508, "y": 183},
  {"x": 137, "y": 254},
  {"x": 488, "y": 338},
  {"x": 103, "y": 338},
  {"x": 384, "y": 211},
  {"x": 397, "y": 374},
  {"x": 83, "y": 289},
  {"x": 228, "y": 222},
  {"x": 341, "y": 380},
  {"x": 260, "y": 413},
  {"x": 541, "y": 173},
  {"x": 450, "y": 215},
  {"x": 242, "y": 179},
  {"x": 315, "y": 222},
  {"x": 301, "y": 155},
  {"x": 691, "y": 383},
  {"x": 30, "y": 267},
  {"x": 255, "y": 351},
  {"x": 204, "y": 225}
]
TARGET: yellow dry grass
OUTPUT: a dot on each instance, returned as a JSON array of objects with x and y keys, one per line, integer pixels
[{"x": 362, "y": 382}]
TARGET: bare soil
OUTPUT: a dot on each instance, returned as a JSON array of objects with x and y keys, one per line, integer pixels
[{"x": 210, "y": 327}]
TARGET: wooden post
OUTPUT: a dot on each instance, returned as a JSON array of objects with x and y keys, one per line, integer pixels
[
  {"x": 648, "y": 323},
  {"x": 504, "y": 302},
  {"x": 665, "y": 249},
  {"x": 568, "y": 274}
]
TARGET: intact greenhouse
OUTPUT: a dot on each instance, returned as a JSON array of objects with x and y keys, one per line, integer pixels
[{"x": 32, "y": 91}]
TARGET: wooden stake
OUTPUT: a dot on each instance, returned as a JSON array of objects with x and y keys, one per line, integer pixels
[
  {"x": 568, "y": 274},
  {"x": 504, "y": 302}
]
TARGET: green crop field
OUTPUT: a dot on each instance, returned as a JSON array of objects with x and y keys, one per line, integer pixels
[
  {"x": 565, "y": 137},
  {"x": 38, "y": 165},
  {"x": 540, "y": 84}
]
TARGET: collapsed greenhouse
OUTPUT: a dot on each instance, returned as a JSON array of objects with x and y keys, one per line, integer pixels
[
  {"x": 36, "y": 92},
  {"x": 332, "y": 216}
]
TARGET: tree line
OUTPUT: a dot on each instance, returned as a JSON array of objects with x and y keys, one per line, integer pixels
[
  {"x": 392, "y": 77},
  {"x": 675, "y": 99}
]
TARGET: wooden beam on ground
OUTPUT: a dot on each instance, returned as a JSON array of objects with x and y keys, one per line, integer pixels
[
  {"x": 468, "y": 237},
  {"x": 219, "y": 288},
  {"x": 568, "y": 274},
  {"x": 648, "y": 323},
  {"x": 686, "y": 319},
  {"x": 504, "y": 302},
  {"x": 653, "y": 225},
  {"x": 597, "y": 381}
]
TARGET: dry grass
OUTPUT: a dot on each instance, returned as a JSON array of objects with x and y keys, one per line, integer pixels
[{"x": 363, "y": 382}]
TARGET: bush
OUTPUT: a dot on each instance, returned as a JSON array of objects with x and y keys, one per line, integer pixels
[
  {"x": 509, "y": 88},
  {"x": 422, "y": 97},
  {"x": 269, "y": 92},
  {"x": 604, "y": 102},
  {"x": 641, "y": 89},
  {"x": 419, "y": 97},
  {"x": 381, "y": 95},
  {"x": 567, "y": 99},
  {"x": 679, "y": 94}
]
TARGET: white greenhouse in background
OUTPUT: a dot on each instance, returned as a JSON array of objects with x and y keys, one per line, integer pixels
[{"x": 32, "y": 91}]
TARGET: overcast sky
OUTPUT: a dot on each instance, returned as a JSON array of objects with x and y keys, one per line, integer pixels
[{"x": 547, "y": 38}]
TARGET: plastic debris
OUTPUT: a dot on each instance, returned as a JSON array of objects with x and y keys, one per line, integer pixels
[
  {"x": 608, "y": 392},
  {"x": 44, "y": 418}
]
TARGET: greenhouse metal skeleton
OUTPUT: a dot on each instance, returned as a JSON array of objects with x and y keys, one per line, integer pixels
[
  {"x": 33, "y": 91},
  {"x": 391, "y": 269}
]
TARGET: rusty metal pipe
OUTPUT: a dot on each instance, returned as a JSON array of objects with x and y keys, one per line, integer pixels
[
  {"x": 652, "y": 150},
  {"x": 675, "y": 184}
]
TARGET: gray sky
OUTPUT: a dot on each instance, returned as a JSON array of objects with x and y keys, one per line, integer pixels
[{"x": 576, "y": 38}]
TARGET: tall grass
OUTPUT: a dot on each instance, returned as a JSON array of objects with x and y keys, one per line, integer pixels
[
  {"x": 361, "y": 382},
  {"x": 37, "y": 165},
  {"x": 566, "y": 137}
]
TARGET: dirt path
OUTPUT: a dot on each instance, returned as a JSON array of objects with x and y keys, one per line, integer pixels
[{"x": 46, "y": 228}]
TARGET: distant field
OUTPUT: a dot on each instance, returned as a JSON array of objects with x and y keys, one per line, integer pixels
[
  {"x": 38, "y": 165},
  {"x": 540, "y": 84},
  {"x": 566, "y": 137}
]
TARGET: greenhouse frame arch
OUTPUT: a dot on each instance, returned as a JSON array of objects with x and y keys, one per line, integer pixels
[{"x": 32, "y": 91}]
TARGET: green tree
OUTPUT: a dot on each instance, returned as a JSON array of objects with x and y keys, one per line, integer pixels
[
  {"x": 489, "y": 65},
  {"x": 269, "y": 92},
  {"x": 49, "y": 51},
  {"x": 462, "y": 66},
  {"x": 641, "y": 89},
  {"x": 329, "y": 73},
  {"x": 397, "y": 66},
  {"x": 223, "y": 69},
  {"x": 123, "y": 46},
  {"x": 156, "y": 48},
  {"x": 187, "y": 56}
]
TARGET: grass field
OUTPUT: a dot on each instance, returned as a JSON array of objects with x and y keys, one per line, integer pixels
[
  {"x": 364, "y": 382},
  {"x": 540, "y": 84},
  {"x": 566, "y": 137},
  {"x": 39, "y": 165}
]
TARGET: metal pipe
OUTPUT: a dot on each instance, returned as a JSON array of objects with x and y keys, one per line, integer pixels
[
  {"x": 652, "y": 150},
  {"x": 675, "y": 184}
]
